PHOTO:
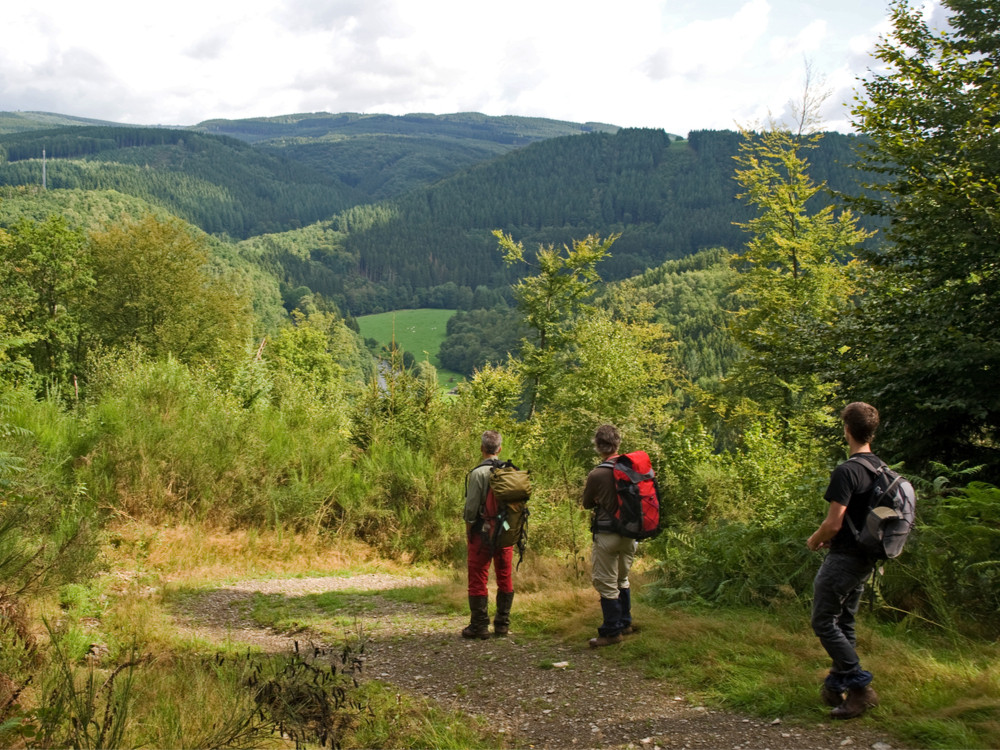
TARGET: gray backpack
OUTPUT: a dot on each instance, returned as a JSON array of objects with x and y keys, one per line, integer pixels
[{"x": 891, "y": 513}]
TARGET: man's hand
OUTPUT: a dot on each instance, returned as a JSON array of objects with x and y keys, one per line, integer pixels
[
  {"x": 813, "y": 544},
  {"x": 828, "y": 529}
]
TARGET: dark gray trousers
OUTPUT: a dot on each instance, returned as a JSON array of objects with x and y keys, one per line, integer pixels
[{"x": 837, "y": 592}]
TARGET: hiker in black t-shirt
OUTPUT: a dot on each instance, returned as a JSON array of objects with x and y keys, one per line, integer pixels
[{"x": 841, "y": 578}]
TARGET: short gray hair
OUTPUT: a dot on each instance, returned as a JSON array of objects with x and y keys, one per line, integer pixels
[{"x": 491, "y": 442}]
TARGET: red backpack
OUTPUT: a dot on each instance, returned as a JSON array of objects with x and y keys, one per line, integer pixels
[{"x": 638, "y": 513}]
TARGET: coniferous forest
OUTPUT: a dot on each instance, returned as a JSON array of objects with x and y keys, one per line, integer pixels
[{"x": 178, "y": 348}]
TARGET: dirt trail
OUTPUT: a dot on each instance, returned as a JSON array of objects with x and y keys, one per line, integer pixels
[{"x": 591, "y": 702}]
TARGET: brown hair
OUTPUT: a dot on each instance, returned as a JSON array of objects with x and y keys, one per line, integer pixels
[
  {"x": 861, "y": 421},
  {"x": 607, "y": 439}
]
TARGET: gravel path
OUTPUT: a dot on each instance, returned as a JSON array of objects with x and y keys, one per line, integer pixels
[{"x": 591, "y": 702}]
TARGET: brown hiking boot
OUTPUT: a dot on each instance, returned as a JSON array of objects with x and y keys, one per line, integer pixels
[
  {"x": 857, "y": 702},
  {"x": 830, "y": 697},
  {"x": 631, "y": 630},
  {"x": 605, "y": 640}
]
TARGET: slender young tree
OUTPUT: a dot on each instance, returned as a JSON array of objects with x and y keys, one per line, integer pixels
[
  {"x": 795, "y": 274},
  {"x": 553, "y": 301}
]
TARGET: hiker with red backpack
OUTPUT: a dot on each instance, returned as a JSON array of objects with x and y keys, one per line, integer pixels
[
  {"x": 621, "y": 494},
  {"x": 485, "y": 546}
]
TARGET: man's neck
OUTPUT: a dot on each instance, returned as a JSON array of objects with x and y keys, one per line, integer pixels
[{"x": 855, "y": 447}]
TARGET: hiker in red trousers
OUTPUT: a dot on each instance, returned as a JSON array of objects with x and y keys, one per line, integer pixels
[{"x": 480, "y": 553}]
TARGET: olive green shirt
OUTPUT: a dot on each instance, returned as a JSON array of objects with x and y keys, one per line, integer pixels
[{"x": 477, "y": 485}]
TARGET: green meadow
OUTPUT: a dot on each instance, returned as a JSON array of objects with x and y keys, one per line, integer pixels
[{"x": 419, "y": 332}]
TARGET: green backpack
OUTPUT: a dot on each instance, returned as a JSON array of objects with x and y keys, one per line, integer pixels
[{"x": 505, "y": 512}]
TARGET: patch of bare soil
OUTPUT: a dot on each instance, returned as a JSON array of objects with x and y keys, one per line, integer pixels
[{"x": 585, "y": 701}]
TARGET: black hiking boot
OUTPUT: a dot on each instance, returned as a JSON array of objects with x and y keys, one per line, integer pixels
[
  {"x": 479, "y": 623},
  {"x": 501, "y": 622}
]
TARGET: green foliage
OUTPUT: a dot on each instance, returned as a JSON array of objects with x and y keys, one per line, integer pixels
[
  {"x": 317, "y": 355},
  {"x": 398, "y": 405},
  {"x": 758, "y": 560},
  {"x": 687, "y": 300},
  {"x": 932, "y": 139},
  {"x": 480, "y": 337},
  {"x": 794, "y": 279},
  {"x": 616, "y": 371},
  {"x": 152, "y": 288},
  {"x": 162, "y": 442},
  {"x": 46, "y": 276},
  {"x": 92, "y": 712},
  {"x": 48, "y": 525},
  {"x": 953, "y": 557},
  {"x": 553, "y": 302}
]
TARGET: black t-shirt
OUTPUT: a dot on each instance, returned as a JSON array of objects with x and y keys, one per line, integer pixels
[{"x": 851, "y": 485}]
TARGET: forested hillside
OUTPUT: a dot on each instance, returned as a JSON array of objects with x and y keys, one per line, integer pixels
[
  {"x": 667, "y": 199},
  {"x": 219, "y": 184},
  {"x": 385, "y": 156},
  {"x": 310, "y": 189}
]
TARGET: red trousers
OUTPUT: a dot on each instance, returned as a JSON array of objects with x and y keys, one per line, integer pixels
[{"x": 479, "y": 567}]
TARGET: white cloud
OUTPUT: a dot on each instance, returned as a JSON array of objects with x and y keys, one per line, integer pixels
[{"x": 680, "y": 65}]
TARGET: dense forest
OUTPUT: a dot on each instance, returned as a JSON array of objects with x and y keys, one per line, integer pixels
[{"x": 177, "y": 346}]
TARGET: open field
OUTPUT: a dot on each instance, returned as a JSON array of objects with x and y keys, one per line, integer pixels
[{"x": 419, "y": 332}]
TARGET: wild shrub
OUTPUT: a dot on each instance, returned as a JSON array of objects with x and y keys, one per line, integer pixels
[
  {"x": 401, "y": 505},
  {"x": 48, "y": 524},
  {"x": 949, "y": 572},
  {"x": 190, "y": 700},
  {"x": 164, "y": 443},
  {"x": 747, "y": 545}
]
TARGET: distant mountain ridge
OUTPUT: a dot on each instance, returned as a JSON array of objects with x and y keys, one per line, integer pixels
[
  {"x": 506, "y": 129},
  {"x": 350, "y": 158}
]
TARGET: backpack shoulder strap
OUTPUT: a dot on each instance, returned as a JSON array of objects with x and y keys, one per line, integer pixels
[
  {"x": 868, "y": 464},
  {"x": 494, "y": 462}
]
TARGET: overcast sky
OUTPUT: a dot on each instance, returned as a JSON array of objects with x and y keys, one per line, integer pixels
[{"x": 679, "y": 65}]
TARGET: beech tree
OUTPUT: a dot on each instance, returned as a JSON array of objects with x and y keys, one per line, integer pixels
[
  {"x": 795, "y": 277},
  {"x": 45, "y": 277},
  {"x": 155, "y": 287},
  {"x": 926, "y": 347}
]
